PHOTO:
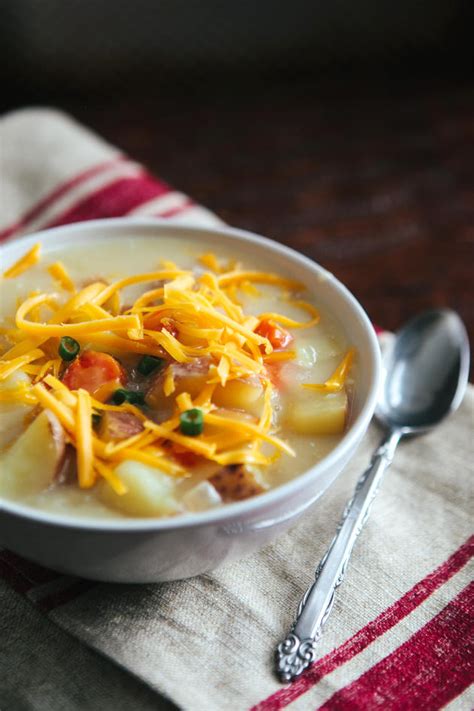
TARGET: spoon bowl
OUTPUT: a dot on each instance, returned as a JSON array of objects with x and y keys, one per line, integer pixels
[{"x": 426, "y": 371}]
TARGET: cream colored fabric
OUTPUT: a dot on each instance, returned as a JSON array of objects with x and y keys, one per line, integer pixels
[
  {"x": 208, "y": 643},
  {"x": 42, "y": 150}
]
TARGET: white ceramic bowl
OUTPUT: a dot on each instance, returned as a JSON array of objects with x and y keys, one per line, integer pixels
[{"x": 151, "y": 550}]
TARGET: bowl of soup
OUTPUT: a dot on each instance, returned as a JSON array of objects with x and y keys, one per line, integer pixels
[{"x": 171, "y": 397}]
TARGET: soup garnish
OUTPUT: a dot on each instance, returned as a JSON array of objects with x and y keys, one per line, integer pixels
[{"x": 179, "y": 397}]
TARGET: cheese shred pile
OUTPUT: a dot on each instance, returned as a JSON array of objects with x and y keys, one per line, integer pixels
[{"x": 180, "y": 315}]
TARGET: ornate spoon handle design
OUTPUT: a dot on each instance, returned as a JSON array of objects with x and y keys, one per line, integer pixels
[{"x": 298, "y": 650}]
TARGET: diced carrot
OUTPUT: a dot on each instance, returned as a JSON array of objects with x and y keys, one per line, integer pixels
[
  {"x": 274, "y": 373},
  {"x": 278, "y": 336},
  {"x": 92, "y": 370}
]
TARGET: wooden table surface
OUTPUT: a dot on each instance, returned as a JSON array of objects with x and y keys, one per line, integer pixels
[{"x": 375, "y": 182}]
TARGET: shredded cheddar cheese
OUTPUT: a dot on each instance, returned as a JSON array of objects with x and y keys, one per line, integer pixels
[
  {"x": 290, "y": 322},
  {"x": 336, "y": 381},
  {"x": 105, "y": 294},
  {"x": 107, "y": 473},
  {"x": 28, "y": 260},
  {"x": 61, "y": 391},
  {"x": 249, "y": 288},
  {"x": 59, "y": 272},
  {"x": 154, "y": 457},
  {"x": 238, "y": 276},
  {"x": 170, "y": 344},
  {"x": 9, "y": 366},
  {"x": 64, "y": 413},
  {"x": 52, "y": 364},
  {"x": 184, "y": 402},
  {"x": 169, "y": 386},
  {"x": 113, "y": 323},
  {"x": 85, "y": 464},
  {"x": 250, "y": 428},
  {"x": 20, "y": 394},
  {"x": 141, "y": 439},
  {"x": 185, "y": 318},
  {"x": 223, "y": 369},
  {"x": 210, "y": 261},
  {"x": 278, "y": 356}
]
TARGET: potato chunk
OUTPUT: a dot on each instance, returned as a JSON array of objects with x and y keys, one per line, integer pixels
[
  {"x": 242, "y": 394},
  {"x": 31, "y": 464},
  {"x": 317, "y": 413},
  {"x": 150, "y": 491},
  {"x": 12, "y": 415},
  {"x": 238, "y": 482},
  {"x": 201, "y": 497}
]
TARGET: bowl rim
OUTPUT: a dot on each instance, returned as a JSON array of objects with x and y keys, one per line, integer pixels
[{"x": 230, "y": 511}]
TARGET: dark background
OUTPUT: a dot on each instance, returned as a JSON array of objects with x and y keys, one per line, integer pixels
[{"x": 343, "y": 129}]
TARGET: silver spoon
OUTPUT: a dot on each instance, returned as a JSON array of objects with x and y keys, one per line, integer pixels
[{"x": 426, "y": 372}]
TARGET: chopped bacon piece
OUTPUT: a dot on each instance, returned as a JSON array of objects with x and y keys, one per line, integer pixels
[
  {"x": 119, "y": 425},
  {"x": 92, "y": 370},
  {"x": 278, "y": 336},
  {"x": 188, "y": 377},
  {"x": 198, "y": 366}
]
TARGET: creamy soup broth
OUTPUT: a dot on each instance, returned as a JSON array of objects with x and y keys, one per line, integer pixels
[{"x": 317, "y": 352}]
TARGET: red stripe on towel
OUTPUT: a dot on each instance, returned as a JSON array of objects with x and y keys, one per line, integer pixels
[
  {"x": 114, "y": 200},
  {"x": 58, "y": 192},
  {"x": 376, "y": 628},
  {"x": 176, "y": 210},
  {"x": 426, "y": 672}
]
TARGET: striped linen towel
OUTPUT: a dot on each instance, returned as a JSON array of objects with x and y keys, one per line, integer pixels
[{"x": 401, "y": 632}]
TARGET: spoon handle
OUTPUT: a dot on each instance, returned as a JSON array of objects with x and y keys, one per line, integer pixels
[{"x": 298, "y": 650}]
